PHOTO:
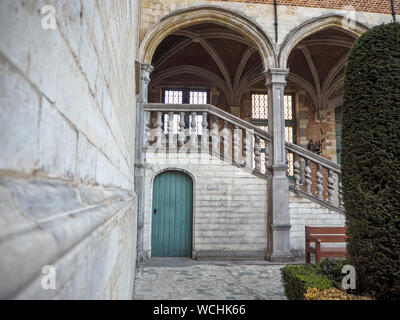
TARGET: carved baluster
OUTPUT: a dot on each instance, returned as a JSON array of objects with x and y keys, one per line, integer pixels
[
  {"x": 146, "y": 135},
  {"x": 249, "y": 150},
  {"x": 226, "y": 142},
  {"x": 204, "y": 133},
  {"x": 182, "y": 135},
  {"x": 215, "y": 135},
  {"x": 287, "y": 162},
  {"x": 331, "y": 187},
  {"x": 308, "y": 181},
  {"x": 237, "y": 144},
  {"x": 267, "y": 155},
  {"x": 171, "y": 136},
  {"x": 257, "y": 155},
  {"x": 297, "y": 171},
  {"x": 193, "y": 136},
  {"x": 320, "y": 187},
  {"x": 159, "y": 130},
  {"x": 341, "y": 202}
]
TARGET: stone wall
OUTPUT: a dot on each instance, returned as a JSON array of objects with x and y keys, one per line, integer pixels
[
  {"x": 230, "y": 208},
  {"x": 303, "y": 213},
  {"x": 67, "y": 131}
]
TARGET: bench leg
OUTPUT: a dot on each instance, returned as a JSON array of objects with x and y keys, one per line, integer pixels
[{"x": 318, "y": 253}]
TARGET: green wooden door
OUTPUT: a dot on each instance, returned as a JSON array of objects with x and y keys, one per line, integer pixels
[{"x": 172, "y": 215}]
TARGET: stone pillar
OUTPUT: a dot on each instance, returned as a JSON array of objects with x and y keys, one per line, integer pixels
[
  {"x": 140, "y": 156},
  {"x": 278, "y": 184}
]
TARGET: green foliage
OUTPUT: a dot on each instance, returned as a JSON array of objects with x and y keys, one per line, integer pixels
[
  {"x": 371, "y": 160},
  {"x": 333, "y": 270},
  {"x": 298, "y": 278}
]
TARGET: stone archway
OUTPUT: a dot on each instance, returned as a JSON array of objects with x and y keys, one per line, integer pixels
[
  {"x": 208, "y": 14},
  {"x": 312, "y": 26}
]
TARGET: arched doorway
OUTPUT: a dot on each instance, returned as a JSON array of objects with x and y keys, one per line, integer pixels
[{"x": 172, "y": 215}]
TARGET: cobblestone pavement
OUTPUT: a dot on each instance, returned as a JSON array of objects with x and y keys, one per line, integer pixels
[{"x": 209, "y": 282}]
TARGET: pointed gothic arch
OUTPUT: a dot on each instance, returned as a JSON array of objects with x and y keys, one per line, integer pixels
[
  {"x": 312, "y": 26},
  {"x": 208, "y": 14}
]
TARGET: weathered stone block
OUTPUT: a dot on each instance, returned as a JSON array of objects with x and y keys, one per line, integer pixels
[{"x": 19, "y": 118}]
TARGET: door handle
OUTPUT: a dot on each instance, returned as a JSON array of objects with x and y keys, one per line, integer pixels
[{"x": 155, "y": 211}]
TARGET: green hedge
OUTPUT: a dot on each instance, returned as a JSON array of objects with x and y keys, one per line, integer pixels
[
  {"x": 298, "y": 278},
  {"x": 371, "y": 160},
  {"x": 332, "y": 269}
]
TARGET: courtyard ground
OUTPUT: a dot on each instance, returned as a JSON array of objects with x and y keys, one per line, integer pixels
[{"x": 186, "y": 279}]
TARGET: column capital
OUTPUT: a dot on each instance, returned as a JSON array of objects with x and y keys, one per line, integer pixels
[
  {"x": 276, "y": 76},
  {"x": 145, "y": 70}
]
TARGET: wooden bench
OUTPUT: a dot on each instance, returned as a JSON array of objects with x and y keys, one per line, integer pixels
[{"x": 319, "y": 235}]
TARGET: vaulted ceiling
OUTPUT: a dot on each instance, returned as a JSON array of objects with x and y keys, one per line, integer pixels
[
  {"x": 211, "y": 55},
  {"x": 219, "y": 56},
  {"x": 317, "y": 64}
]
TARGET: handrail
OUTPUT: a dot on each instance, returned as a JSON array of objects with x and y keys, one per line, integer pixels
[
  {"x": 294, "y": 148},
  {"x": 210, "y": 109},
  {"x": 291, "y": 147}
]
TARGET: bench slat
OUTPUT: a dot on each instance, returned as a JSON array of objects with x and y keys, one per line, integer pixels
[
  {"x": 328, "y": 238},
  {"x": 326, "y": 230},
  {"x": 320, "y": 235},
  {"x": 329, "y": 250}
]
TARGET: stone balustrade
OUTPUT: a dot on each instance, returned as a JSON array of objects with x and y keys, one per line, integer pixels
[
  {"x": 206, "y": 129},
  {"x": 316, "y": 178}
]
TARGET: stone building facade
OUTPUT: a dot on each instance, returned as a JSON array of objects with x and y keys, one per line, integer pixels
[{"x": 76, "y": 185}]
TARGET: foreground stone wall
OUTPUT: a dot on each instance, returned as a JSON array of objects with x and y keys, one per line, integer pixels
[{"x": 67, "y": 131}]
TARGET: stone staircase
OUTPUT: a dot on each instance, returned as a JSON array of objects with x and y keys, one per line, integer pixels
[{"x": 241, "y": 144}]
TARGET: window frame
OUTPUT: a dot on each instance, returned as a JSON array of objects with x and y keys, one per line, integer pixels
[
  {"x": 185, "y": 93},
  {"x": 185, "y": 100},
  {"x": 288, "y": 123}
]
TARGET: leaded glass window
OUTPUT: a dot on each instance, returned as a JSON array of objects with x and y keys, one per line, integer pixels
[
  {"x": 197, "y": 97},
  {"x": 180, "y": 96},
  {"x": 259, "y": 106},
  {"x": 173, "y": 96},
  {"x": 260, "y": 119}
]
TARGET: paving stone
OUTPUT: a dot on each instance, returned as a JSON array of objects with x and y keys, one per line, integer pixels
[{"x": 209, "y": 282}]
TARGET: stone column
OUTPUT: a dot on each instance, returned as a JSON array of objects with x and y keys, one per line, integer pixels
[
  {"x": 278, "y": 184},
  {"x": 140, "y": 156}
]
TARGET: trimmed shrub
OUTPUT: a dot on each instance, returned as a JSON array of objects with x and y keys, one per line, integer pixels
[
  {"x": 298, "y": 278},
  {"x": 331, "y": 294},
  {"x": 371, "y": 160},
  {"x": 333, "y": 270}
]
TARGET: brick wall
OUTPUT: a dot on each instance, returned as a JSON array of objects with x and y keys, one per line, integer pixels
[
  {"x": 67, "y": 131},
  {"x": 378, "y": 6}
]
